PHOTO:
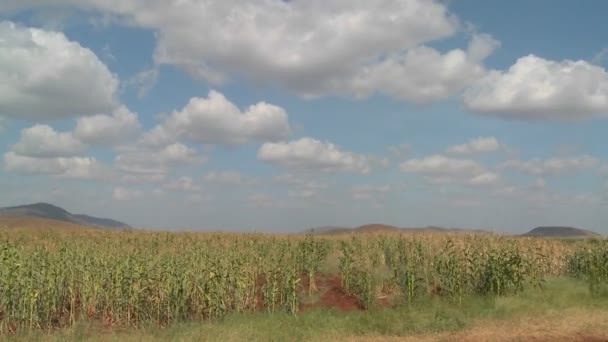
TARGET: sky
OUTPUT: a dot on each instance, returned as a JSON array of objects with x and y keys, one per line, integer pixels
[{"x": 279, "y": 116}]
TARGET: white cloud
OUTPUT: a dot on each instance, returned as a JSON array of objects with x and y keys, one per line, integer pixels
[
  {"x": 182, "y": 184},
  {"x": 540, "y": 89},
  {"x": 107, "y": 130},
  {"x": 157, "y": 136},
  {"x": 419, "y": 75},
  {"x": 309, "y": 47},
  {"x": 299, "y": 180},
  {"x": 551, "y": 166},
  {"x": 486, "y": 178},
  {"x": 439, "y": 169},
  {"x": 44, "y": 76},
  {"x": 43, "y": 141},
  {"x": 215, "y": 120},
  {"x": 155, "y": 163},
  {"x": 179, "y": 154},
  {"x": 477, "y": 145},
  {"x": 441, "y": 165},
  {"x": 72, "y": 167},
  {"x": 303, "y": 45},
  {"x": 125, "y": 194},
  {"x": 312, "y": 154}
]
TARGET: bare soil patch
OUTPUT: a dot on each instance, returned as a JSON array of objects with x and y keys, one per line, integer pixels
[{"x": 331, "y": 294}]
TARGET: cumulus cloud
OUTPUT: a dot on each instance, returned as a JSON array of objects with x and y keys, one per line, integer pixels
[
  {"x": 312, "y": 48},
  {"x": 441, "y": 165},
  {"x": 44, "y": 142},
  {"x": 107, "y": 130},
  {"x": 477, "y": 145},
  {"x": 45, "y": 76},
  {"x": 72, "y": 167},
  {"x": 125, "y": 194},
  {"x": 312, "y": 154},
  {"x": 421, "y": 74},
  {"x": 539, "y": 89},
  {"x": 215, "y": 120},
  {"x": 155, "y": 163},
  {"x": 551, "y": 166},
  {"x": 439, "y": 169},
  {"x": 303, "y": 45}
]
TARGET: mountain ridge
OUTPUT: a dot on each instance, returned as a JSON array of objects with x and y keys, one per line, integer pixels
[
  {"x": 385, "y": 228},
  {"x": 560, "y": 231},
  {"x": 53, "y": 212}
]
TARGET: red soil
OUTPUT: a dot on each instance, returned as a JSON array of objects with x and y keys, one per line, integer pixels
[{"x": 332, "y": 295}]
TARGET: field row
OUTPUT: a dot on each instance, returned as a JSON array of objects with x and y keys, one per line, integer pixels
[{"x": 52, "y": 279}]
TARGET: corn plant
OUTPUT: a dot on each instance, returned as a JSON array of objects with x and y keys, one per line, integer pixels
[{"x": 311, "y": 256}]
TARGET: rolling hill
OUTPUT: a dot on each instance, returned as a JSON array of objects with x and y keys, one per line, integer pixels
[
  {"x": 383, "y": 228},
  {"x": 561, "y": 232},
  {"x": 51, "y": 212}
]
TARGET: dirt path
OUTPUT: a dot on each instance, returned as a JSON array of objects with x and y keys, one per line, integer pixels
[{"x": 331, "y": 295}]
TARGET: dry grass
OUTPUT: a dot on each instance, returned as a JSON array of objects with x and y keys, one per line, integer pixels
[{"x": 567, "y": 325}]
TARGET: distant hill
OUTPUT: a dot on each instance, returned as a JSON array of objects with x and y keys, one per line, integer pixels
[
  {"x": 561, "y": 232},
  {"x": 52, "y": 212},
  {"x": 377, "y": 228},
  {"x": 383, "y": 228},
  {"x": 327, "y": 230}
]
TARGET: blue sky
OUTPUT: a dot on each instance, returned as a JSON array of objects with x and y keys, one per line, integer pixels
[{"x": 281, "y": 116}]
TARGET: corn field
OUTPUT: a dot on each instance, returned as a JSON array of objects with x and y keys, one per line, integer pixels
[{"x": 54, "y": 279}]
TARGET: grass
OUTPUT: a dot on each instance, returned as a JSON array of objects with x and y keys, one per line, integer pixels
[{"x": 565, "y": 309}]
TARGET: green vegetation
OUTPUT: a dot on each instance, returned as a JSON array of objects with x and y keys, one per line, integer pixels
[
  {"x": 569, "y": 298},
  {"x": 207, "y": 284},
  {"x": 590, "y": 263}
]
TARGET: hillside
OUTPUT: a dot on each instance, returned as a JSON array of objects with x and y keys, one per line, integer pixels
[
  {"x": 561, "y": 232},
  {"x": 384, "y": 228},
  {"x": 51, "y": 212}
]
